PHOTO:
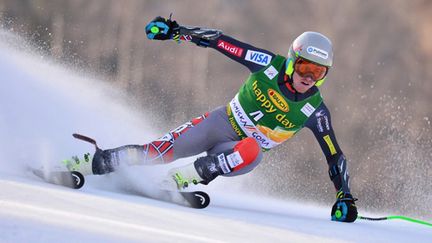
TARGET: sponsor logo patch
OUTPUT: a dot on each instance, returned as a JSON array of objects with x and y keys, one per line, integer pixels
[
  {"x": 269, "y": 107},
  {"x": 322, "y": 121},
  {"x": 329, "y": 142},
  {"x": 247, "y": 126},
  {"x": 257, "y": 115},
  {"x": 212, "y": 168},
  {"x": 271, "y": 72},
  {"x": 223, "y": 164},
  {"x": 237, "y": 51},
  {"x": 297, "y": 47},
  {"x": 327, "y": 123},
  {"x": 258, "y": 57},
  {"x": 320, "y": 113},
  {"x": 317, "y": 52},
  {"x": 308, "y": 109},
  {"x": 234, "y": 159},
  {"x": 319, "y": 125},
  {"x": 278, "y": 100}
]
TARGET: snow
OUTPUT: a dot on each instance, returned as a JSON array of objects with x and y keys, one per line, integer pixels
[{"x": 42, "y": 104}]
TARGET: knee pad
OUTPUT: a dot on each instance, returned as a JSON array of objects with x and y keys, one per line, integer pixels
[{"x": 245, "y": 152}]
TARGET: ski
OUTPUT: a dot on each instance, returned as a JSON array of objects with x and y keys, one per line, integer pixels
[
  {"x": 190, "y": 199},
  {"x": 71, "y": 179},
  {"x": 193, "y": 199},
  {"x": 75, "y": 180},
  {"x": 196, "y": 199}
]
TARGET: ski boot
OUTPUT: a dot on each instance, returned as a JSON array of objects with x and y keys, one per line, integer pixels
[
  {"x": 203, "y": 170},
  {"x": 103, "y": 161}
]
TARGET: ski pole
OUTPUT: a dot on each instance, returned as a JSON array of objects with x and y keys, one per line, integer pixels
[{"x": 397, "y": 217}]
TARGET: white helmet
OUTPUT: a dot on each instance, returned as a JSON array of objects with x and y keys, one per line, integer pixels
[{"x": 312, "y": 46}]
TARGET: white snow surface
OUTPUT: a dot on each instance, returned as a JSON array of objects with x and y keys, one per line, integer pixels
[{"x": 42, "y": 104}]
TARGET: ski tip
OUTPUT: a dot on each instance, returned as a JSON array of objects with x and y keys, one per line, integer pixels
[
  {"x": 78, "y": 180},
  {"x": 197, "y": 199},
  {"x": 71, "y": 179}
]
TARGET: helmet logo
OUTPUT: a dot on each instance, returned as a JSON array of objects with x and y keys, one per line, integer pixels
[
  {"x": 298, "y": 48},
  {"x": 317, "y": 52}
]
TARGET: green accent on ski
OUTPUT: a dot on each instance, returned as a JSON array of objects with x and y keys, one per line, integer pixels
[
  {"x": 75, "y": 163},
  {"x": 181, "y": 182},
  {"x": 70, "y": 165},
  {"x": 87, "y": 157},
  {"x": 398, "y": 217}
]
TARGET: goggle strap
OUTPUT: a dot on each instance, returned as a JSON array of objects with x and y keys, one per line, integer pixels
[
  {"x": 289, "y": 67},
  {"x": 320, "y": 82}
]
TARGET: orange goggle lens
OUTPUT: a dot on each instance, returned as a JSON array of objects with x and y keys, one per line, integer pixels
[{"x": 306, "y": 68}]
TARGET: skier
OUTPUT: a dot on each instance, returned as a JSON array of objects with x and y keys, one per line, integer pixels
[{"x": 277, "y": 100}]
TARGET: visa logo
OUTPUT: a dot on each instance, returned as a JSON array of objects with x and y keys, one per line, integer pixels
[{"x": 258, "y": 57}]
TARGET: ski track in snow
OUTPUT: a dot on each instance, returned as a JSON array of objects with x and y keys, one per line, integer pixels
[{"x": 42, "y": 105}]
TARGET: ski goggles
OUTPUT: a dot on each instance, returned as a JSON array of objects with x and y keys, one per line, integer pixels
[{"x": 306, "y": 68}]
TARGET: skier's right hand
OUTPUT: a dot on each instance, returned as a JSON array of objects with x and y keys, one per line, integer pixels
[
  {"x": 344, "y": 209},
  {"x": 162, "y": 29}
]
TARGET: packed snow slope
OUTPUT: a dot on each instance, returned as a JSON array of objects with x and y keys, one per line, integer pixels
[{"x": 41, "y": 105}]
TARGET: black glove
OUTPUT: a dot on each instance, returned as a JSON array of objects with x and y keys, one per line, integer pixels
[
  {"x": 162, "y": 29},
  {"x": 344, "y": 209}
]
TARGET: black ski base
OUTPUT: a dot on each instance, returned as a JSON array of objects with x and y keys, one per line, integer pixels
[
  {"x": 197, "y": 199},
  {"x": 71, "y": 179}
]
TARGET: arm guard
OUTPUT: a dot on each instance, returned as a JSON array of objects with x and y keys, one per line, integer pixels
[{"x": 338, "y": 173}]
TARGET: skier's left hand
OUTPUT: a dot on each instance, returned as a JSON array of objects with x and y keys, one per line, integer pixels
[
  {"x": 162, "y": 29},
  {"x": 344, "y": 209}
]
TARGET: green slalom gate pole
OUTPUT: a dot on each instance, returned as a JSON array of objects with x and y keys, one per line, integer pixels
[{"x": 397, "y": 217}]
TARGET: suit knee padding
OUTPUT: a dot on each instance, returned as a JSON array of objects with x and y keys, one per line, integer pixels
[{"x": 249, "y": 150}]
